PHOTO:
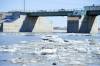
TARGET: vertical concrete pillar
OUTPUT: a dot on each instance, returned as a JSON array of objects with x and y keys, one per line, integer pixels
[
  {"x": 72, "y": 24},
  {"x": 28, "y": 24},
  {"x": 87, "y": 24},
  {"x": 1, "y": 27},
  {"x": 1, "y": 23}
]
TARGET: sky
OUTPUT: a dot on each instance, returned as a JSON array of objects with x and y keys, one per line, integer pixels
[
  {"x": 7, "y": 5},
  {"x": 34, "y": 5}
]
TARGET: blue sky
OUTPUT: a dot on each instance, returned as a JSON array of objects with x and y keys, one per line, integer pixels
[
  {"x": 45, "y": 4},
  {"x": 9, "y": 5}
]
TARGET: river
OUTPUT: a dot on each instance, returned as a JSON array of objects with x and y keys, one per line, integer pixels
[{"x": 42, "y": 49}]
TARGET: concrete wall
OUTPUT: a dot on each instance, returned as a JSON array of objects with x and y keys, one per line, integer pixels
[
  {"x": 0, "y": 16},
  {"x": 13, "y": 26},
  {"x": 95, "y": 26},
  {"x": 43, "y": 25},
  {"x": 28, "y": 24},
  {"x": 72, "y": 24},
  {"x": 1, "y": 24},
  {"x": 80, "y": 21},
  {"x": 87, "y": 24},
  {"x": 1, "y": 27}
]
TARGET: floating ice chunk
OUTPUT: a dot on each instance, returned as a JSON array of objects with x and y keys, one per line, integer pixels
[
  {"x": 76, "y": 41},
  {"x": 58, "y": 40},
  {"x": 76, "y": 62},
  {"x": 22, "y": 60},
  {"x": 24, "y": 65},
  {"x": 48, "y": 51},
  {"x": 23, "y": 34},
  {"x": 47, "y": 37},
  {"x": 9, "y": 49},
  {"x": 81, "y": 49},
  {"x": 23, "y": 42},
  {"x": 52, "y": 56},
  {"x": 97, "y": 52},
  {"x": 53, "y": 38}
]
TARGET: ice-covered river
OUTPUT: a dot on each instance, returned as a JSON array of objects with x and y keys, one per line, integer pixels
[{"x": 49, "y": 49}]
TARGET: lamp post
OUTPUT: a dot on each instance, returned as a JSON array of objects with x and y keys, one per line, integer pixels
[{"x": 24, "y": 5}]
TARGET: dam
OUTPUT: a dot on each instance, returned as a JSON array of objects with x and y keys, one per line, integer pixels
[
  {"x": 87, "y": 17},
  {"x": 27, "y": 38}
]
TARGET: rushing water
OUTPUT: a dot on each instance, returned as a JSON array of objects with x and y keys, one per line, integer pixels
[{"x": 27, "y": 44}]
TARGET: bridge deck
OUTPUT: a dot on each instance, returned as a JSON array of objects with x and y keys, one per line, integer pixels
[
  {"x": 88, "y": 10},
  {"x": 92, "y": 10},
  {"x": 57, "y": 13}
]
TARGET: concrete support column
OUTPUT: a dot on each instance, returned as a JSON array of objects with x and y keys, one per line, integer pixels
[
  {"x": 87, "y": 24},
  {"x": 1, "y": 23},
  {"x": 1, "y": 27},
  {"x": 28, "y": 24},
  {"x": 43, "y": 25},
  {"x": 72, "y": 24}
]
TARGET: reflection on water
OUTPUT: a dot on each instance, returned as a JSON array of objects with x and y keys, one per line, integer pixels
[{"x": 61, "y": 49}]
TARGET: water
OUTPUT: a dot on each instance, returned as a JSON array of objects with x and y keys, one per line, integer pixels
[
  {"x": 29, "y": 49},
  {"x": 12, "y": 38}
]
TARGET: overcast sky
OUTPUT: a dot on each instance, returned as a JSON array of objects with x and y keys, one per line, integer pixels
[{"x": 9, "y": 5}]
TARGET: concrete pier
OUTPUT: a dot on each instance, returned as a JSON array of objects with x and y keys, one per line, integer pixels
[
  {"x": 28, "y": 24},
  {"x": 36, "y": 24},
  {"x": 13, "y": 26},
  {"x": 87, "y": 24},
  {"x": 1, "y": 24},
  {"x": 95, "y": 26},
  {"x": 1, "y": 27},
  {"x": 35, "y": 21},
  {"x": 72, "y": 24},
  {"x": 43, "y": 25}
]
